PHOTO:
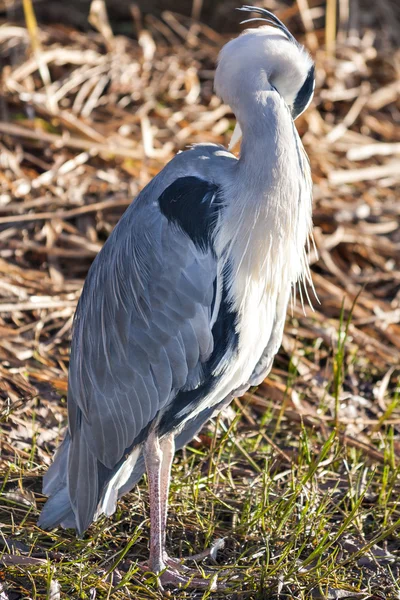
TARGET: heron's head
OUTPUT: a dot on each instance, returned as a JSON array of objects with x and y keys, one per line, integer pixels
[{"x": 263, "y": 59}]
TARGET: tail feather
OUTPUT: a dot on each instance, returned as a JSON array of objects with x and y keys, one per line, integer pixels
[
  {"x": 58, "y": 508},
  {"x": 83, "y": 482},
  {"x": 56, "y": 477},
  {"x": 93, "y": 489},
  {"x": 57, "y": 511},
  {"x": 72, "y": 486}
]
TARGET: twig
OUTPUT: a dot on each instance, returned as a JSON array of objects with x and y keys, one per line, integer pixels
[
  {"x": 380, "y": 149},
  {"x": 66, "y": 214},
  {"x": 69, "y": 142},
  {"x": 13, "y": 559},
  {"x": 37, "y": 305},
  {"x": 32, "y": 27},
  {"x": 330, "y": 27},
  {"x": 304, "y": 10},
  {"x": 351, "y": 116},
  {"x": 354, "y": 175}
]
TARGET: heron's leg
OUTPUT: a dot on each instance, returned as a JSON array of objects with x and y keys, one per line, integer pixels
[
  {"x": 167, "y": 445},
  {"x": 153, "y": 457},
  {"x": 158, "y": 455}
]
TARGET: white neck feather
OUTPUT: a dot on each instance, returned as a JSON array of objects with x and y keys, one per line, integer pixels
[{"x": 267, "y": 219}]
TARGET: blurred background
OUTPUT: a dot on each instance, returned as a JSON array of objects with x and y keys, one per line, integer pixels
[{"x": 95, "y": 98}]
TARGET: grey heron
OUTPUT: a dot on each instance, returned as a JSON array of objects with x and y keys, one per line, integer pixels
[{"x": 184, "y": 307}]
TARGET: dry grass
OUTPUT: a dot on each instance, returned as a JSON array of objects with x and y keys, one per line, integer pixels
[{"x": 86, "y": 121}]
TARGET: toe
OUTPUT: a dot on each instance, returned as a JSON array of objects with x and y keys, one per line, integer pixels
[{"x": 171, "y": 577}]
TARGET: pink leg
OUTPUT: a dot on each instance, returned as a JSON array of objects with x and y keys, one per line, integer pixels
[
  {"x": 158, "y": 456},
  {"x": 153, "y": 456},
  {"x": 167, "y": 445}
]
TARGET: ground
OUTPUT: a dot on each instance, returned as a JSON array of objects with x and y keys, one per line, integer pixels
[{"x": 299, "y": 477}]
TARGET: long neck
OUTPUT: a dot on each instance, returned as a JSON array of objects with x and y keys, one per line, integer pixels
[{"x": 268, "y": 213}]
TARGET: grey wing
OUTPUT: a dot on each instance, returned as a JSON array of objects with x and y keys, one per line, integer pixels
[{"x": 141, "y": 333}]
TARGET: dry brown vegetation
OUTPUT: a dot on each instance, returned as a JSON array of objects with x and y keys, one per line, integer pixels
[{"x": 87, "y": 119}]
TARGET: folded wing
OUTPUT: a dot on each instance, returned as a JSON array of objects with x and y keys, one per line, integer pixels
[{"x": 142, "y": 332}]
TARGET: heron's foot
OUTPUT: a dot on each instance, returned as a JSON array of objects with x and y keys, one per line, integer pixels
[
  {"x": 171, "y": 564},
  {"x": 177, "y": 565},
  {"x": 210, "y": 552},
  {"x": 173, "y": 572},
  {"x": 177, "y": 575},
  {"x": 188, "y": 579}
]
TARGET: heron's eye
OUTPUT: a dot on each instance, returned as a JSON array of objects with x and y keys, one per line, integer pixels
[{"x": 304, "y": 95}]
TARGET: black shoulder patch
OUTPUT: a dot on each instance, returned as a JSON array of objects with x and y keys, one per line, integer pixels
[
  {"x": 304, "y": 95},
  {"x": 192, "y": 203}
]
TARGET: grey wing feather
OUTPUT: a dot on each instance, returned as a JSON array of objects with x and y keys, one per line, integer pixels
[{"x": 141, "y": 328}]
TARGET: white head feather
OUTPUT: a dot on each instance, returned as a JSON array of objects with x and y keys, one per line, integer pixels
[{"x": 260, "y": 60}]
